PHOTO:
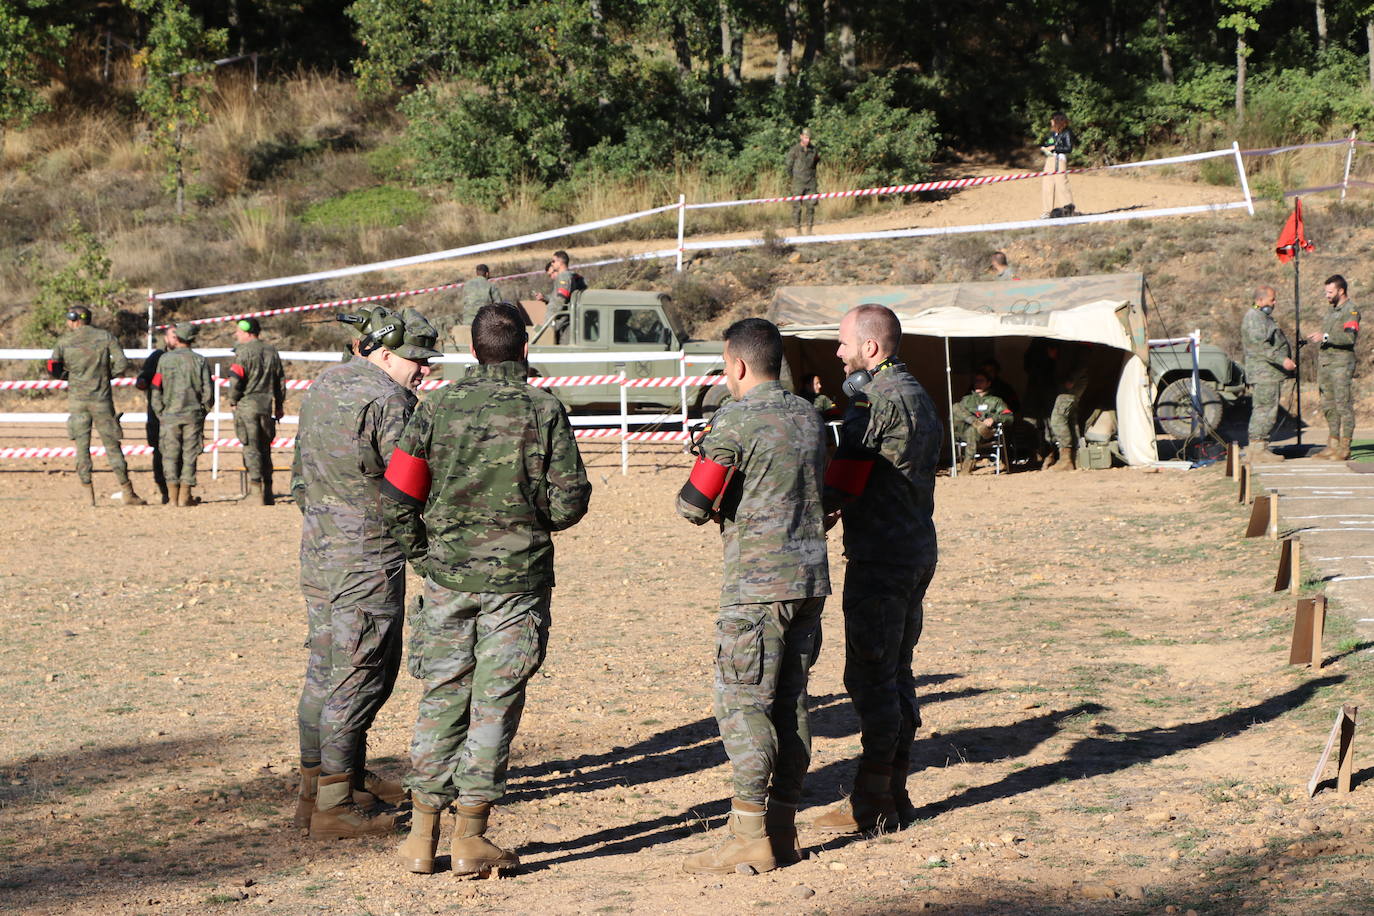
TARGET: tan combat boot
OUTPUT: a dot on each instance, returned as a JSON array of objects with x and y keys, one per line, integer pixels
[
  {"x": 173, "y": 495},
  {"x": 966, "y": 463},
  {"x": 87, "y": 493},
  {"x": 780, "y": 823},
  {"x": 305, "y": 799},
  {"x": 471, "y": 851},
  {"x": 418, "y": 850},
  {"x": 184, "y": 497},
  {"x": 337, "y": 816},
  {"x": 371, "y": 787},
  {"x": 1344, "y": 454},
  {"x": 1065, "y": 462},
  {"x": 748, "y": 846},
  {"x": 1049, "y": 461},
  {"x": 869, "y": 809},
  {"x": 1331, "y": 449},
  {"x": 130, "y": 497},
  {"x": 254, "y": 494}
]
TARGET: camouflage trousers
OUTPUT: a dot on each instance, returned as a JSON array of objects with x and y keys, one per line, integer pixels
[
  {"x": 764, "y": 654},
  {"x": 1063, "y": 420},
  {"x": 81, "y": 416},
  {"x": 181, "y": 439},
  {"x": 805, "y": 208},
  {"x": 1264, "y": 407},
  {"x": 883, "y": 616},
  {"x": 1334, "y": 381},
  {"x": 355, "y": 622},
  {"x": 256, "y": 428},
  {"x": 474, "y": 653}
]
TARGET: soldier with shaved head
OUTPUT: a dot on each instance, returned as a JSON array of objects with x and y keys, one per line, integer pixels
[{"x": 1268, "y": 361}]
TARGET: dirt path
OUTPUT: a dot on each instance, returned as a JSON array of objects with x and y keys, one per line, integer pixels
[{"x": 1110, "y": 725}]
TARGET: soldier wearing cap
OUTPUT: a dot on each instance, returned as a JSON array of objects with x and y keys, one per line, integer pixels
[
  {"x": 87, "y": 358},
  {"x": 183, "y": 393},
  {"x": 352, "y": 569},
  {"x": 566, "y": 281},
  {"x": 484, "y": 472},
  {"x": 800, "y": 164},
  {"x": 257, "y": 392}
]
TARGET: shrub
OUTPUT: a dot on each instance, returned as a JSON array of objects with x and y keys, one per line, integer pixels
[
  {"x": 384, "y": 206},
  {"x": 84, "y": 280}
]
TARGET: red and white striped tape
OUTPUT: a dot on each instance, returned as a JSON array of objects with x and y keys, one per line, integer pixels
[
  {"x": 50, "y": 384},
  {"x": 543, "y": 381}
]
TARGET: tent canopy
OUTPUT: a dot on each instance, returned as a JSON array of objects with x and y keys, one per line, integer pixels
[{"x": 1107, "y": 310}]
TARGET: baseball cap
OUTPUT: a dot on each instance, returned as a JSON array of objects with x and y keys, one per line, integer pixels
[
  {"x": 420, "y": 337},
  {"x": 185, "y": 331}
]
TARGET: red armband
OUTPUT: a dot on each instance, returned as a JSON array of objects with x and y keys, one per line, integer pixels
[
  {"x": 848, "y": 475},
  {"x": 565, "y": 292},
  {"x": 407, "y": 479},
  {"x": 55, "y": 368},
  {"x": 157, "y": 379},
  {"x": 706, "y": 485},
  {"x": 238, "y": 370},
  {"x": 1351, "y": 326}
]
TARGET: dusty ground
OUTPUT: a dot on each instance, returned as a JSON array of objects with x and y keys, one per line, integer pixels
[{"x": 1111, "y": 726}]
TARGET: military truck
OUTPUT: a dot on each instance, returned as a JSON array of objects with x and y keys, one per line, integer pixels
[
  {"x": 610, "y": 322},
  {"x": 1221, "y": 382}
]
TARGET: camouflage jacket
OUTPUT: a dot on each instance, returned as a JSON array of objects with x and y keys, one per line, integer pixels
[
  {"x": 1266, "y": 347},
  {"x": 771, "y": 521},
  {"x": 1341, "y": 325},
  {"x": 564, "y": 285},
  {"x": 477, "y": 292},
  {"x": 501, "y": 470},
  {"x": 974, "y": 407},
  {"x": 182, "y": 387},
  {"x": 88, "y": 357},
  {"x": 350, "y": 423},
  {"x": 256, "y": 378},
  {"x": 895, "y": 425},
  {"x": 800, "y": 163}
]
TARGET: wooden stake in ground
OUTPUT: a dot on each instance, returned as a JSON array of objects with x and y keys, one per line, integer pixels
[
  {"x": 1243, "y": 485},
  {"x": 1264, "y": 517},
  {"x": 1343, "y": 728},
  {"x": 1232, "y": 458},
  {"x": 1289, "y": 576},
  {"x": 1309, "y": 625}
]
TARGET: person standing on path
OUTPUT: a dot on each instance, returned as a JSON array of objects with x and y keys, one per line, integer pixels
[
  {"x": 881, "y": 481},
  {"x": 183, "y": 393},
  {"x": 485, "y": 470},
  {"x": 800, "y": 165},
  {"x": 758, "y": 474},
  {"x": 257, "y": 392},
  {"x": 151, "y": 428},
  {"x": 1055, "y": 197},
  {"x": 1268, "y": 362},
  {"x": 1336, "y": 372},
  {"x": 1071, "y": 378},
  {"x": 352, "y": 570},
  {"x": 88, "y": 358}
]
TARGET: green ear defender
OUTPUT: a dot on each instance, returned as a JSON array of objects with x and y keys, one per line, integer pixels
[{"x": 384, "y": 328}]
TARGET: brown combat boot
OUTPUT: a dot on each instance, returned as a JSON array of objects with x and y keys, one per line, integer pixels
[
  {"x": 184, "y": 497},
  {"x": 87, "y": 493},
  {"x": 338, "y": 817},
  {"x": 471, "y": 851},
  {"x": 1065, "y": 462},
  {"x": 869, "y": 809},
  {"x": 173, "y": 495},
  {"x": 748, "y": 846},
  {"x": 371, "y": 787},
  {"x": 1049, "y": 461},
  {"x": 1344, "y": 443},
  {"x": 1331, "y": 450},
  {"x": 305, "y": 799},
  {"x": 966, "y": 463},
  {"x": 780, "y": 823},
  {"x": 1258, "y": 453},
  {"x": 130, "y": 497},
  {"x": 418, "y": 850},
  {"x": 254, "y": 494}
]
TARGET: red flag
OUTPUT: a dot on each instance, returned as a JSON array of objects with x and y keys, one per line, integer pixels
[{"x": 1292, "y": 236}]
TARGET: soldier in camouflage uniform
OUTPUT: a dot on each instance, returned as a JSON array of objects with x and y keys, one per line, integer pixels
[
  {"x": 882, "y": 479},
  {"x": 87, "y": 358},
  {"x": 352, "y": 569},
  {"x": 1336, "y": 372},
  {"x": 1268, "y": 361},
  {"x": 566, "y": 281},
  {"x": 183, "y": 393},
  {"x": 776, "y": 578},
  {"x": 1071, "y": 377},
  {"x": 800, "y": 164},
  {"x": 976, "y": 418},
  {"x": 485, "y": 470},
  {"x": 257, "y": 392},
  {"x": 151, "y": 429}
]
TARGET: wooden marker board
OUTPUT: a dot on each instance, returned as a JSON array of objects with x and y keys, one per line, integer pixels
[
  {"x": 1243, "y": 485},
  {"x": 1264, "y": 517},
  {"x": 1232, "y": 458},
  {"x": 1342, "y": 730},
  {"x": 1309, "y": 625},
  {"x": 1289, "y": 576}
]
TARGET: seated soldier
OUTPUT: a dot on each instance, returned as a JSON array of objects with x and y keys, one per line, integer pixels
[{"x": 976, "y": 417}]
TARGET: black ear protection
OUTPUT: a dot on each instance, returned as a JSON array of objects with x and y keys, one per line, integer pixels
[
  {"x": 384, "y": 328},
  {"x": 78, "y": 313},
  {"x": 858, "y": 380}
]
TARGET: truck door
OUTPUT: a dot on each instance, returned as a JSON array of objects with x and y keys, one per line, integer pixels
[{"x": 643, "y": 330}]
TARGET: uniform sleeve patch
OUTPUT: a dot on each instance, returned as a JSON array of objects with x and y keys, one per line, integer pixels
[{"x": 157, "y": 379}]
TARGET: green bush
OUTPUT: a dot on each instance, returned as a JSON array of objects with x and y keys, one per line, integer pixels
[
  {"x": 84, "y": 280},
  {"x": 384, "y": 206}
]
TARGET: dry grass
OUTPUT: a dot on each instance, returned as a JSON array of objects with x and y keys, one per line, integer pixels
[{"x": 261, "y": 225}]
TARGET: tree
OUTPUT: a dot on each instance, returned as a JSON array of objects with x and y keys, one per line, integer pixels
[
  {"x": 24, "y": 44},
  {"x": 177, "y": 63},
  {"x": 1243, "y": 19},
  {"x": 84, "y": 280}
]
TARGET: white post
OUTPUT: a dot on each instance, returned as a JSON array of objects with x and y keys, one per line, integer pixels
[
  {"x": 681, "y": 227},
  {"x": 214, "y": 429},
  {"x": 1244, "y": 181},
  {"x": 1349, "y": 158},
  {"x": 151, "y": 300},
  {"x": 624, "y": 428},
  {"x": 682, "y": 371},
  {"x": 1195, "y": 341},
  {"x": 953, "y": 442}
]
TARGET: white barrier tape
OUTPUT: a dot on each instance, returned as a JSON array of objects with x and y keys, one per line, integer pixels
[
  {"x": 678, "y": 381},
  {"x": 54, "y": 384},
  {"x": 69, "y": 451},
  {"x": 451, "y": 253},
  {"x": 39, "y": 418}
]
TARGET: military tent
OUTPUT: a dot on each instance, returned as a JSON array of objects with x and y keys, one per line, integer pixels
[{"x": 952, "y": 328}]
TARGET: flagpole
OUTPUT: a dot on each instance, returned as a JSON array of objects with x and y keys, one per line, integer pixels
[{"x": 1297, "y": 319}]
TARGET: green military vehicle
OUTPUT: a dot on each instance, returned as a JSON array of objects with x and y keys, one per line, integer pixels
[
  {"x": 618, "y": 331},
  {"x": 1221, "y": 382}
]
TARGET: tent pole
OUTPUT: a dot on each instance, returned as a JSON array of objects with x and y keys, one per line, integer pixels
[
  {"x": 953, "y": 442},
  {"x": 1297, "y": 332}
]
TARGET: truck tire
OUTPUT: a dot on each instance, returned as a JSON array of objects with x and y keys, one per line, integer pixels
[{"x": 1174, "y": 407}]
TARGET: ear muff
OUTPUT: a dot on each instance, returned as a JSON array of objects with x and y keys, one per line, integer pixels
[
  {"x": 855, "y": 383},
  {"x": 78, "y": 313},
  {"x": 384, "y": 328}
]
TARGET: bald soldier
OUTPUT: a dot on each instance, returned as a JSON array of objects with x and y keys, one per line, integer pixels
[
  {"x": 87, "y": 358},
  {"x": 881, "y": 480},
  {"x": 1268, "y": 361}
]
